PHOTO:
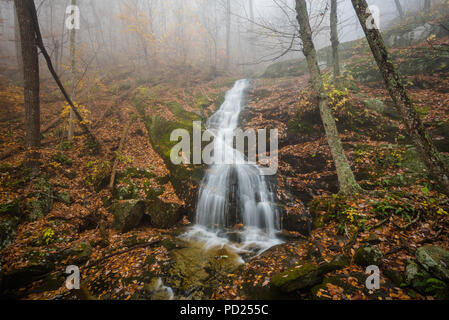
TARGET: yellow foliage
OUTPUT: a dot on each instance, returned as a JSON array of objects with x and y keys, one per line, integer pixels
[{"x": 85, "y": 113}]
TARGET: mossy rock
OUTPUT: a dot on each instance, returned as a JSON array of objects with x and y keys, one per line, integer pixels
[
  {"x": 64, "y": 197},
  {"x": 338, "y": 281},
  {"x": 442, "y": 131},
  {"x": 375, "y": 105},
  {"x": 162, "y": 215},
  {"x": 18, "y": 278},
  {"x": 424, "y": 282},
  {"x": 368, "y": 256},
  {"x": 127, "y": 214},
  {"x": 168, "y": 244},
  {"x": 42, "y": 202},
  {"x": 396, "y": 277},
  {"x": 289, "y": 68},
  {"x": 98, "y": 174},
  {"x": 435, "y": 260},
  {"x": 307, "y": 275},
  {"x": 50, "y": 283},
  {"x": 80, "y": 253},
  {"x": 8, "y": 229},
  {"x": 160, "y": 131},
  {"x": 413, "y": 162}
]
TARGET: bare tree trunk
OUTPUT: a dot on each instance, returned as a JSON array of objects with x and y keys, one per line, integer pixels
[
  {"x": 346, "y": 179},
  {"x": 427, "y": 5},
  {"x": 410, "y": 117},
  {"x": 37, "y": 36},
  {"x": 73, "y": 64},
  {"x": 228, "y": 33},
  {"x": 334, "y": 39},
  {"x": 399, "y": 8},
  {"x": 17, "y": 43},
  {"x": 30, "y": 63}
]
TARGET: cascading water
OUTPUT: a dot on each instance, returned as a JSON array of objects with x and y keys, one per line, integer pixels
[{"x": 252, "y": 201}]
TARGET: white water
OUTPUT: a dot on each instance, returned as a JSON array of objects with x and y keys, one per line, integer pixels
[
  {"x": 166, "y": 291},
  {"x": 257, "y": 214}
]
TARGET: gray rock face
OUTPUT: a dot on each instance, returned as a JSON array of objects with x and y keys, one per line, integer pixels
[
  {"x": 435, "y": 260},
  {"x": 127, "y": 214},
  {"x": 368, "y": 256}
]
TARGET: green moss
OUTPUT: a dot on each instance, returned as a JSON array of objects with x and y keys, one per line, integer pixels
[
  {"x": 98, "y": 174},
  {"x": 41, "y": 201},
  {"x": 286, "y": 277},
  {"x": 62, "y": 159}
]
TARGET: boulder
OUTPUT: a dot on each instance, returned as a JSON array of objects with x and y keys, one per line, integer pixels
[
  {"x": 368, "y": 256},
  {"x": 8, "y": 230},
  {"x": 375, "y": 105},
  {"x": 42, "y": 202},
  {"x": 127, "y": 214},
  {"x": 422, "y": 281},
  {"x": 412, "y": 270},
  {"x": 9, "y": 220},
  {"x": 18, "y": 278},
  {"x": 307, "y": 275},
  {"x": 293, "y": 220},
  {"x": 64, "y": 197},
  {"x": 435, "y": 260},
  {"x": 162, "y": 214},
  {"x": 81, "y": 252}
]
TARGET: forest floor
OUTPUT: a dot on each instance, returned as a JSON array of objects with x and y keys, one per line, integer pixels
[{"x": 74, "y": 222}]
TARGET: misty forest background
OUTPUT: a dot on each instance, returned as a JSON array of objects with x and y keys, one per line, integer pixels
[{"x": 85, "y": 123}]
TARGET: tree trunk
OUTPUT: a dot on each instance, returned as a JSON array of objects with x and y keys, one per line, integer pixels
[
  {"x": 73, "y": 63},
  {"x": 396, "y": 89},
  {"x": 228, "y": 33},
  {"x": 17, "y": 43},
  {"x": 334, "y": 39},
  {"x": 346, "y": 179},
  {"x": 427, "y": 5},
  {"x": 30, "y": 63},
  {"x": 399, "y": 8}
]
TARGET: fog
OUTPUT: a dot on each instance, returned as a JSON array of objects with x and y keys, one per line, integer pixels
[{"x": 171, "y": 33}]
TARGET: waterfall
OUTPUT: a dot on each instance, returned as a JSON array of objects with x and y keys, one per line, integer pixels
[{"x": 234, "y": 191}]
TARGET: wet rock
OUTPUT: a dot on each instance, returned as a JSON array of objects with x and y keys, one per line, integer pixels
[
  {"x": 435, "y": 260},
  {"x": 162, "y": 214},
  {"x": 168, "y": 244},
  {"x": 158, "y": 291},
  {"x": 307, "y": 275},
  {"x": 195, "y": 272},
  {"x": 301, "y": 222},
  {"x": 368, "y": 256},
  {"x": 127, "y": 214}
]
